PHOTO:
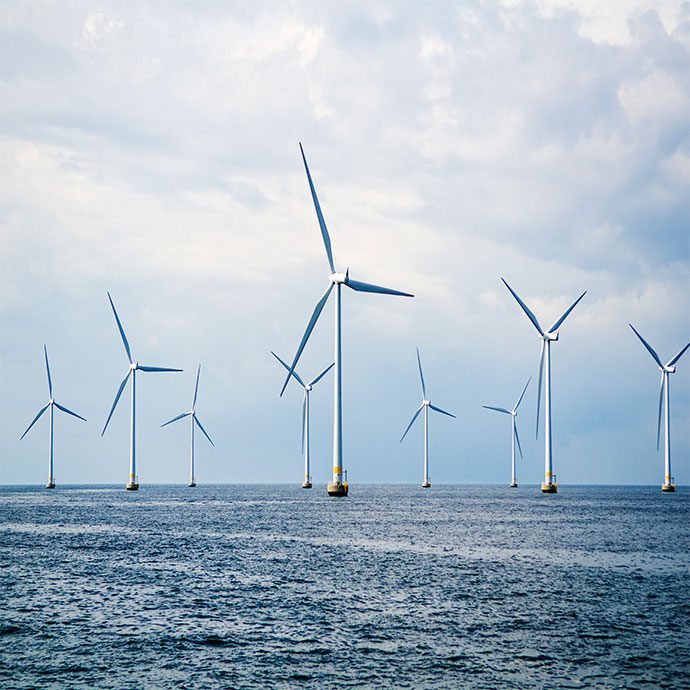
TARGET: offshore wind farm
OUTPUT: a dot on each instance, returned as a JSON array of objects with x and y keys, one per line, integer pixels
[{"x": 312, "y": 501}]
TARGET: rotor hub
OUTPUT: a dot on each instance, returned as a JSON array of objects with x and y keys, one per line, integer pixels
[{"x": 338, "y": 278}]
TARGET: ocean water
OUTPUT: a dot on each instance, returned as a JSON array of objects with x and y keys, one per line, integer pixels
[{"x": 395, "y": 586}]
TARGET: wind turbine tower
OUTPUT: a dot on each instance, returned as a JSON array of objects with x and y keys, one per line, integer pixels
[
  {"x": 514, "y": 437},
  {"x": 193, "y": 419},
  {"x": 308, "y": 387},
  {"x": 52, "y": 404},
  {"x": 339, "y": 485},
  {"x": 133, "y": 483},
  {"x": 550, "y": 485},
  {"x": 664, "y": 400},
  {"x": 426, "y": 406}
]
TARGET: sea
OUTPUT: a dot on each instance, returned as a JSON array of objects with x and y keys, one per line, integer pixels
[{"x": 274, "y": 586}]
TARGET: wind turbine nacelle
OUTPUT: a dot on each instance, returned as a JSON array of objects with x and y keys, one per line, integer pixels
[
  {"x": 670, "y": 370},
  {"x": 551, "y": 336},
  {"x": 308, "y": 387},
  {"x": 339, "y": 278}
]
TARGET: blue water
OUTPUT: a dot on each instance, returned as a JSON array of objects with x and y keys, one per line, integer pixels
[{"x": 275, "y": 586}]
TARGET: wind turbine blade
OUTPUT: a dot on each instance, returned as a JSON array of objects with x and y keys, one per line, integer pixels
[
  {"x": 154, "y": 369},
  {"x": 517, "y": 438},
  {"x": 304, "y": 418},
  {"x": 50, "y": 381},
  {"x": 438, "y": 409},
  {"x": 525, "y": 308},
  {"x": 321, "y": 375},
  {"x": 678, "y": 356},
  {"x": 541, "y": 371},
  {"x": 122, "y": 330},
  {"x": 416, "y": 414},
  {"x": 196, "y": 387},
  {"x": 174, "y": 419},
  {"x": 40, "y": 412},
  {"x": 661, "y": 400},
  {"x": 496, "y": 409},
  {"x": 294, "y": 373},
  {"x": 565, "y": 314},
  {"x": 117, "y": 397},
  {"x": 522, "y": 395},
  {"x": 319, "y": 215},
  {"x": 64, "y": 409},
  {"x": 198, "y": 423},
  {"x": 310, "y": 327},
  {"x": 368, "y": 287},
  {"x": 648, "y": 346},
  {"x": 421, "y": 375}
]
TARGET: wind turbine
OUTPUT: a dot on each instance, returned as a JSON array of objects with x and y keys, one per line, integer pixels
[
  {"x": 426, "y": 405},
  {"x": 550, "y": 486},
  {"x": 306, "y": 484},
  {"x": 338, "y": 487},
  {"x": 133, "y": 484},
  {"x": 51, "y": 404},
  {"x": 664, "y": 398},
  {"x": 193, "y": 420},
  {"x": 514, "y": 432}
]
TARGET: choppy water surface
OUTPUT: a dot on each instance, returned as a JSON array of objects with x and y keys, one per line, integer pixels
[{"x": 274, "y": 586}]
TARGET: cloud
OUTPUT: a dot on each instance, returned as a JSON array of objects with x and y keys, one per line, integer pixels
[{"x": 152, "y": 150}]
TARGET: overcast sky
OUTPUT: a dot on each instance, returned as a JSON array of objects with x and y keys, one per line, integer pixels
[{"x": 151, "y": 149}]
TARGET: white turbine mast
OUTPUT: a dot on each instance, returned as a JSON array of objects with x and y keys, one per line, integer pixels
[
  {"x": 339, "y": 486},
  {"x": 550, "y": 485},
  {"x": 664, "y": 400},
  {"x": 514, "y": 437},
  {"x": 306, "y": 484},
  {"x": 193, "y": 419},
  {"x": 426, "y": 406},
  {"x": 133, "y": 483},
  {"x": 51, "y": 404}
]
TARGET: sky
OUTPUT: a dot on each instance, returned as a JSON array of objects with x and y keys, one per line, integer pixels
[{"x": 151, "y": 150}]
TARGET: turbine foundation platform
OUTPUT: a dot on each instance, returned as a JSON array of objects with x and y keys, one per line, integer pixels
[
  {"x": 549, "y": 488},
  {"x": 426, "y": 484},
  {"x": 514, "y": 485},
  {"x": 337, "y": 489},
  {"x": 306, "y": 484},
  {"x": 192, "y": 484},
  {"x": 668, "y": 488},
  {"x": 132, "y": 486},
  {"x": 50, "y": 484}
]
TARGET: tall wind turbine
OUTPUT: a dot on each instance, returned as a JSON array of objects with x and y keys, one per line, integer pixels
[
  {"x": 426, "y": 406},
  {"x": 550, "y": 486},
  {"x": 132, "y": 484},
  {"x": 193, "y": 419},
  {"x": 514, "y": 432},
  {"x": 51, "y": 404},
  {"x": 664, "y": 399},
  {"x": 337, "y": 487},
  {"x": 306, "y": 484}
]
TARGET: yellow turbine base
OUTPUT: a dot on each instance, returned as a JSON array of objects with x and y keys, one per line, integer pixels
[
  {"x": 549, "y": 488},
  {"x": 668, "y": 488},
  {"x": 337, "y": 489},
  {"x": 132, "y": 486}
]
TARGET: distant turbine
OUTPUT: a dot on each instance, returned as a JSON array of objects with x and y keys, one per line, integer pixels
[
  {"x": 133, "y": 484},
  {"x": 426, "y": 404},
  {"x": 514, "y": 432},
  {"x": 51, "y": 404},
  {"x": 337, "y": 487},
  {"x": 193, "y": 420},
  {"x": 666, "y": 369},
  {"x": 305, "y": 415},
  {"x": 550, "y": 486}
]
